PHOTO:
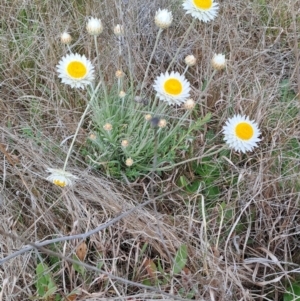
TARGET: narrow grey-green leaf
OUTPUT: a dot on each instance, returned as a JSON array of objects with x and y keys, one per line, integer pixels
[{"x": 180, "y": 259}]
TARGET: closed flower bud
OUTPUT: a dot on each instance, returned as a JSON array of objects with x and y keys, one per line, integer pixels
[
  {"x": 218, "y": 61},
  {"x": 119, "y": 74},
  {"x": 125, "y": 143},
  {"x": 107, "y": 127},
  {"x": 94, "y": 26},
  {"x": 129, "y": 162},
  {"x": 190, "y": 60},
  {"x": 65, "y": 38},
  {"x": 119, "y": 30},
  {"x": 189, "y": 104},
  {"x": 163, "y": 18},
  {"x": 122, "y": 94},
  {"x": 148, "y": 117},
  {"x": 162, "y": 123}
]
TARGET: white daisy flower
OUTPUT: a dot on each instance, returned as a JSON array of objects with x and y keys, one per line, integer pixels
[
  {"x": 60, "y": 177},
  {"x": 75, "y": 70},
  {"x": 163, "y": 18},
  {"x": 204, "y": 10},
  {"x": 218, "y": 61},
  {"x": 94, "y": 26},
  {"x": 241, "y": 133},
  {"x": 172, "y": 88}
]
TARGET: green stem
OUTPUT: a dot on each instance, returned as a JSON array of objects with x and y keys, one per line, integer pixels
[{"x": 79, "y": 125}]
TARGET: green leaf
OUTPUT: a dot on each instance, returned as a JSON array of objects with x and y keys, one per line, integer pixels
[
  {"x": 78, "y": 267},
  {"x": 147, "y": 282},
  {"x": 44, "y": 283},
  {"x": 183, "y": 181},
  {"x": 180, "y": 259},
  {"x": 292, "y": 293}
]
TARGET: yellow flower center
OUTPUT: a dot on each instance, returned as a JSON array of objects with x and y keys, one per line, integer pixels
[
  {"x": 60, "y": 183},
  {"x": 76, "y": 69},
  {"x": 244, "y": 131},
  {"x": 203, "y": 4},
  {"x": 173, "y": 86}
]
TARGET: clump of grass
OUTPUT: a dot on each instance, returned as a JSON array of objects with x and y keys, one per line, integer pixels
[{"x": 140, "y": 132}]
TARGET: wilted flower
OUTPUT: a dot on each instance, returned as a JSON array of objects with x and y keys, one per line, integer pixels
[
  {"x": 163, "y": 18},
  {"x": 94, "y": 26},
  {"x": 60, "y": 177},
  {"x": 75, "y": 70}
]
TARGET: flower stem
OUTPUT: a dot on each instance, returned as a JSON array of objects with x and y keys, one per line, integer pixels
[
  {"x": 182, "y": 43},
  {"x": 150, "y": 60},
  {"x": 79, "y": 125},
  {"x": 99, "y": 67}
]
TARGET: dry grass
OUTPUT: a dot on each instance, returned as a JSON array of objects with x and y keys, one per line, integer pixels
[{"x": 245, "y": 247}]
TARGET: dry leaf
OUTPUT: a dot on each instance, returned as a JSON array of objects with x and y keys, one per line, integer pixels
[
  {"x": 81, "y": 251},
  {"x": 72, "y": 297},
  {"x": 150, "y": 267}
]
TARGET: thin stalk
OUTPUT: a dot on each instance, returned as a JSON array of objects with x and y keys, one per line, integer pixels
[
  {"x": 151, "y": 57},
  {"x": 185, "y": 70},
  {"x": 182, "y": 43},
  {"x": 120, "y": 81},
  {"x": 205, "y": 266},
  {"x": 99, "y": 69},
  {"x": 79, "y": 125},
  {"x": 160, "y": 233},
  {"x": 209, "y": 81}
]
